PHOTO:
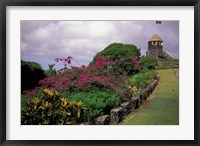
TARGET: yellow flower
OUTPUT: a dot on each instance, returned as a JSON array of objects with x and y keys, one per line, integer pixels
[
  {"x": 56, "y": 92},
  {"x": 64, "y": 101},
  {"x": 35, "y": 107},
  {"x": 48, "y": 92},
  {"x": 46, "y": 104},
  {"x": 79, "y": 104},
  {"x": 35, "y": 101}
]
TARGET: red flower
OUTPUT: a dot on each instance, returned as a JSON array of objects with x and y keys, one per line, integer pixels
[
  {"x": 69, "y": 57},
  {"x": 112, "y": 62},
  {"x": 42, "y": 82}
]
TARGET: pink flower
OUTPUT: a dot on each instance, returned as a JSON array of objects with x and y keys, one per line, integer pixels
[
  {"x": 69, "y": 61},
  {"x": 42, "y": 82},
  {"x": 112, "y": 62},
  {"x": 74, "y": 68},
  {"x": 100, "y": 59},
  {"x": 69, "y": 57},
  {"x": 136, "y": 63},
  {"x": 56, "y": 60}
]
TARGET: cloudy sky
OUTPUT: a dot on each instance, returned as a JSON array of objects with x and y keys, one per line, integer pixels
[{"x": 43, "y": 41}]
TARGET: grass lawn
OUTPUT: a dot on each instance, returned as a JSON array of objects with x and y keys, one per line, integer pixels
[{"x": 162, "y": 108}]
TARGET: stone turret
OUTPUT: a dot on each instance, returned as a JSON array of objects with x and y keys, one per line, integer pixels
[{"x": 155, "y": 48}]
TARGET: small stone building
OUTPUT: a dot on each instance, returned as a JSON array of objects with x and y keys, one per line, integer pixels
[{"x": 155, "y": 48}]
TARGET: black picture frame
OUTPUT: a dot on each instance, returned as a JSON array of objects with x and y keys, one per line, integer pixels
[{"x": 5, "y": 3}]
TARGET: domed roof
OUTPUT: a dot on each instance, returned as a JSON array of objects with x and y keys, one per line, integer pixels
[{"x": 155, "y": 37}]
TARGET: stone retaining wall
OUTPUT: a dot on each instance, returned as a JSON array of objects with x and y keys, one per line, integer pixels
[{"x": 119, "y": 113}]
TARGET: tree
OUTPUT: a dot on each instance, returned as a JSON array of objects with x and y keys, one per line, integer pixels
[
  {"x": 123, "y": 55},
  {"x": 31, "y": 74},
  {"x": 51, "y": 71}
]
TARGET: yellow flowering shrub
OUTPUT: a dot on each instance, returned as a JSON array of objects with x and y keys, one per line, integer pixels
[{"x": 52, "y": 108}]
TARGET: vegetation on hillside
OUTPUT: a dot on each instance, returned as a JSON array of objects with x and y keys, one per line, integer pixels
[
  {"x": 31, "y": 74},
  {"x": 73, "y": 95}
]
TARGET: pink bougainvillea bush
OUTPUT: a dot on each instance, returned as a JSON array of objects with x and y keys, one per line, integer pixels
[
  {"x": 98, "y": 86},
  {"x": 96, "y": 76}
]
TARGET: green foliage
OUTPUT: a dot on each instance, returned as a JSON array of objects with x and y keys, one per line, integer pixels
[
  {"x": 120, "y": 53},
  {"x": 148, "y": 63},
  {"x": 52, "y": 108},
  {"x": 31, "y": 74},
  {"x": 96, "y": 102},
  {"x": 125, "y": 66},
  {"x": 142, "y": 79},
  {"x": 167, "y": 63},
  {"x": 51, "y": 71},
  {"x": 117, "y": 50}
]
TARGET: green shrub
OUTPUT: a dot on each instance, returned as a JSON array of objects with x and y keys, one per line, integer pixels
[
  {"x": 142, "y": 79},
  {"x": 51, "y": 71},
  {"x": 31, "y": 74},
  {"x": 167, "y": 63},
  {"x": 96, "y": 102},
  {"x": 51, "y": 108},
  {"x": 148, "y": 63},
  {"x": 120, "y": 53}
]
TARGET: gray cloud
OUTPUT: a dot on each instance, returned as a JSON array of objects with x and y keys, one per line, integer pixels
[{"x": 43, "y": 41}]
